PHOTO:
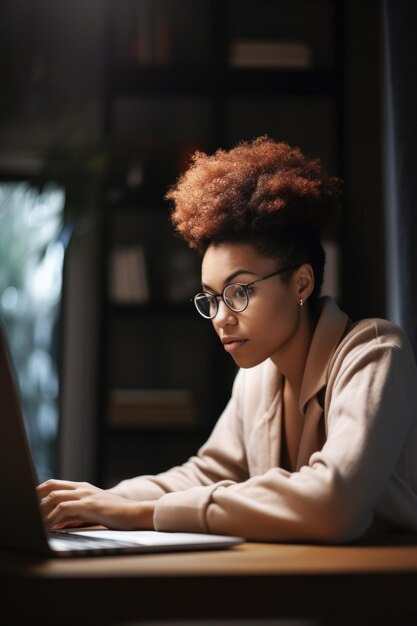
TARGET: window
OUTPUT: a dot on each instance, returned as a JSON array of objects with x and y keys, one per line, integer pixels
[{"x": 32, "y": 247}]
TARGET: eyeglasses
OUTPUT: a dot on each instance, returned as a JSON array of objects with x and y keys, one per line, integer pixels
[{"x": 235, "y": 296}]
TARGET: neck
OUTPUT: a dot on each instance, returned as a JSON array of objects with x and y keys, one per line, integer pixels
[{"x": 292, "y": 357}]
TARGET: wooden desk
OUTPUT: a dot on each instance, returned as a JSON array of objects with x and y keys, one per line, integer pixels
[{"x": 249, "y": 581}]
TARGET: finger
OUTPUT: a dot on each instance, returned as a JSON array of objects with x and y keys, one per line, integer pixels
[
  {"x": 51, "y": 501},
  {"x": 73, "y": 524},
  {"x": 52, "y": 485},
  {"x": 65, "y": 513}
]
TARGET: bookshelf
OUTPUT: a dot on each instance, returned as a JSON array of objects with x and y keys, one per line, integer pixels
[{"x": 182, "y": 76}]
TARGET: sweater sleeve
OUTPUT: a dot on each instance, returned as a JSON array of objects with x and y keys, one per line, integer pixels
[
  {"x": 332, "y": 498},
  {"x": 221, "y": 458}
]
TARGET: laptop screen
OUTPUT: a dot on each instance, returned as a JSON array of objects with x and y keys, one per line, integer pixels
[{"x": 20, "y": 522}]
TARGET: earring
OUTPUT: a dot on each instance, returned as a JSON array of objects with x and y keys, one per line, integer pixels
[{"x": 300, "y": 302}]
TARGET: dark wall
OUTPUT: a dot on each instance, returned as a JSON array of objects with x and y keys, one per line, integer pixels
[{"x": 363, "y": 238}]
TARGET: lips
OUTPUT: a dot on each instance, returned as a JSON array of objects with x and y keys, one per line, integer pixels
[{"x": 231, "y": 344}]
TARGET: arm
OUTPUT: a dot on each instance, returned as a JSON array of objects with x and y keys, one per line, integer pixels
[
  {"x": 67, "y": 504},
  {"x": 131, "y": 504},
  {"x": 373, "y": 398},
  {"x": 222, "y": 457}
]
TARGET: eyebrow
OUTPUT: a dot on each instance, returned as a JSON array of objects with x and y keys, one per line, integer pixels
[{"x": 230, "y": 278}]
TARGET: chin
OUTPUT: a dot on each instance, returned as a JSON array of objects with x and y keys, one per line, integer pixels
[{"x": 247, "y": 362}]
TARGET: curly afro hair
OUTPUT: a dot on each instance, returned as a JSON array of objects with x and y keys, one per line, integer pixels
[
  {"x": 256, "y": 186},
  {"x": 262, "y": 192}
]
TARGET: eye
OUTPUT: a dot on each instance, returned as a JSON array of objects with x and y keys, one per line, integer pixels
[
  {"x": 235, "y": 291},
  {"x": 239, "y": 292}
]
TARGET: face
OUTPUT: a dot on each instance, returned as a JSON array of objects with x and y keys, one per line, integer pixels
[{"x": 272, "y": 317}]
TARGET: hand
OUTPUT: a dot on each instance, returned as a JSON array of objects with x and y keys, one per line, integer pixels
[{"x": 67, "y": 504}]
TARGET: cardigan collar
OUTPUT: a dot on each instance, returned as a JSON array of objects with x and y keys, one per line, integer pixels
[
  {"x": 329, "y": 331},
  {"x": 330, "y": 328}
]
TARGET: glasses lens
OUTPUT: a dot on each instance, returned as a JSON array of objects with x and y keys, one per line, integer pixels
[
  {"x": 236, "y": 297},
  {"x": 206, "y": 305}
]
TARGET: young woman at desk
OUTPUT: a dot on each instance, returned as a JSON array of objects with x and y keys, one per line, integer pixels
[{"x": 319, "y": 439}]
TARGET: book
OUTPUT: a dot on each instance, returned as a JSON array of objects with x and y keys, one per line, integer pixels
[
  {"x": 269, "y": 53},
  {"x": 151, "y": 408},
  {"x": 149, "y": 32},
  {"x": 128, "y": 282}
]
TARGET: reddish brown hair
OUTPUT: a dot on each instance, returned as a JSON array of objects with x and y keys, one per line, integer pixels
[
  {"x": 256, "y": 184},
  {"x": 264, "y": 192}
]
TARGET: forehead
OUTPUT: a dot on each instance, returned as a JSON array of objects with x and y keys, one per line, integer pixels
[{"x": 223, "y": 259}]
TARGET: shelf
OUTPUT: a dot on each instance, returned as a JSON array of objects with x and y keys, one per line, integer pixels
[
  {"x": 165, "y": 309},
  {"x": 208, "y": 81},
  {"x": 155, "y": 432},
  {"x": 119, "y": 198},
  {"x": 134, "y": 453},
  {"x": 155, "y": 118}
]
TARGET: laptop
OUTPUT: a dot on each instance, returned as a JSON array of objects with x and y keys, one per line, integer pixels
[{"x": 21, "y": 525}]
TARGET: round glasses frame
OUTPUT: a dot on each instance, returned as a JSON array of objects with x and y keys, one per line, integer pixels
[{"x": 214, "y": 298}]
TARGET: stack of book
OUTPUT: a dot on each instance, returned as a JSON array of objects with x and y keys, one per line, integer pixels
[
  {"x": 151, "y": 408},
  {"x": 269, "y": 54}
]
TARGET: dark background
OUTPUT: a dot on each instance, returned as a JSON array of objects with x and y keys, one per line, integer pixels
[{"x": 79, "y": 104}]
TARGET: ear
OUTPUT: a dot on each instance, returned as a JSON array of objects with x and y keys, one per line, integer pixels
[{"x": 304, "y": 281}]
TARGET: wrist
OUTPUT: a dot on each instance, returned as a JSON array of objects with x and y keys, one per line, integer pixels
[{"x": 144, "y": 512}]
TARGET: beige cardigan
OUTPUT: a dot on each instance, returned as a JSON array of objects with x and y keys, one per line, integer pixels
[{"x": 357, "y": 461}]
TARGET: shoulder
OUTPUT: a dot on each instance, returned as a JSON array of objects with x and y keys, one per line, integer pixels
[
  {"x": 373, "y": 332},
  {"x": 373, "y": 339}
]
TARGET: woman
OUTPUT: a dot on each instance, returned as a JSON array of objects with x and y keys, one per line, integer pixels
[{"x": 318, "y": 441}]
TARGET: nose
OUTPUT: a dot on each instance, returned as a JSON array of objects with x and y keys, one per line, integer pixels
[{"x": 224, "y": 316}]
